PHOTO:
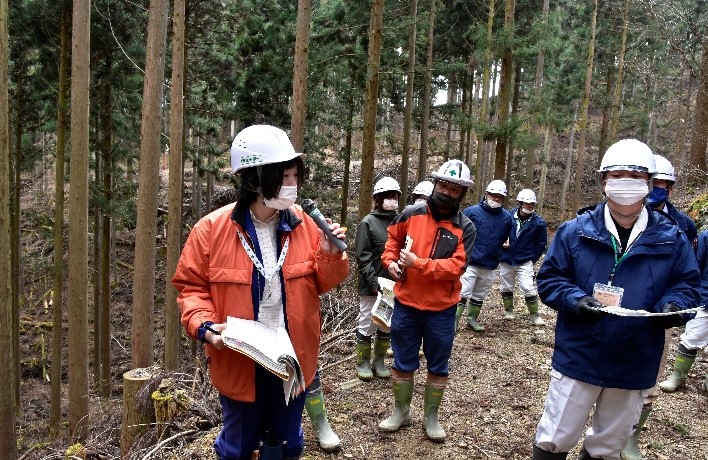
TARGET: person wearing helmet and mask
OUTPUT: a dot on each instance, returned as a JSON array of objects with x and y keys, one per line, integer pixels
[
  {"x": 494, "y": 222},
  {"x": 425, "y": 298},
  {"x": 662, "y": 188},
  {"x": 524, "y": 248},
  {"x": 695, "y": 336},
  {"x": 261, "y": 259},
  {"x": 371, "y": 235},
  {"x": 422, "y": 191},
  {"x": 617, "y": 253}
]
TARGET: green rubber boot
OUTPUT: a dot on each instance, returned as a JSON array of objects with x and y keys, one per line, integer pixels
[
  {"x": 434, "y": 390},
  {"x": 381, "y": 344},
  {"x": 314, "y": 405},
  {"x": 532, "y": 306},
  {"x": 682, "y": 364},
  {"x": 363, "y": 357},
  {"x": 631, "y": 451},
  {"x": 475, "y": 307},
  {"x": 460, "y": 310},
  {"x": 402, "y": 395},
  {"x": 508, "y": 300}
]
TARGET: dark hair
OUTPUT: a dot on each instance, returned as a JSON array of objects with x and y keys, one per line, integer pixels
[{"x": 270, "y": 181}]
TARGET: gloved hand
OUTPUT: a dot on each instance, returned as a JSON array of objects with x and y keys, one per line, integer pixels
[
  {"x": 669, "y": 321},
  {"x": 590, "y": 309}
]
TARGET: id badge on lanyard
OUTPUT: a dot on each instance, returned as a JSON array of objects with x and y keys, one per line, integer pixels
[{"x": 608, "y": 296}]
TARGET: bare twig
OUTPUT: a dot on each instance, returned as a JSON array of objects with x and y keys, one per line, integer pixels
[{"x": 159, "y": 445}]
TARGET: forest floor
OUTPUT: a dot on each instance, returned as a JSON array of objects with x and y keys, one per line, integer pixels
[{"x": 498, "y": 381}]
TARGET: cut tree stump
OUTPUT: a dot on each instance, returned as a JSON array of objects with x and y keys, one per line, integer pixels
[
  {"x": 137, "y": 417},
  {"x": 168, "y": 401}
]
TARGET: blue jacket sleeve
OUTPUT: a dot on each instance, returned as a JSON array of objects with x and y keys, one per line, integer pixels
[{"x": 555, "y": 277}]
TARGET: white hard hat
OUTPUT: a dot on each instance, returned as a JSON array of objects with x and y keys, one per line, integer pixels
[
  {"x": 423, "y": 188},
  {"x": 628, "y": 155},
  {"x": 260, "y": 145},
  {"x": 526, "y": 196},
  {"x": 664, "y": 169},
  {"x": 455, "y": 172},
  {"x": 497, "y": 187},
  {"x": 386, "y": 184}
]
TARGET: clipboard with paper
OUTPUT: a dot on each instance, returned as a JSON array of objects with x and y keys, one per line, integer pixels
[{"x": 382, "y": 311}]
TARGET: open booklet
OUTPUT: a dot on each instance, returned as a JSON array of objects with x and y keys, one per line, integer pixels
[
  {"x": 382, "y": 311},
  {"x": 270, "y": 348}
]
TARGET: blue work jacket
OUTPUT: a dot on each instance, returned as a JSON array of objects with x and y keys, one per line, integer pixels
[
  {"x": 684, "y": 222},
  {"x": 493, "y": 228},
  {"x": 660, "y": 267},
  {"x": 527, "y": 241},
  {"x": 702, "y": 256}
]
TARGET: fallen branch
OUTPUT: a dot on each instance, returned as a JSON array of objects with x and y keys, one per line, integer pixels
[
  {"x": 335, "y": 336},
  {"x": 159, "y": 445},
  {"x": 123, "y": 264},
  {"x": 323, "y": 368}
]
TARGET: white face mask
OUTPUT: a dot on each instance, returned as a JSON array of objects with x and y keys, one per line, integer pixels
[
  {"x": 493, "y": 204},
  {"x": 525, "y": 212},
  {"x": 626, "y": 191},
  {"x": 390, "y": 204},
  {"x": 286, "y": 198}
]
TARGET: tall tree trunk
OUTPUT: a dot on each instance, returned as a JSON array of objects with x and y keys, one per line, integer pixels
[
  {"x": 408, "y": 112},
  {"x": 464, "y": 126},
  {"x": 299, "y": 104},
  {"x": 538, "y": 88},
  {"x": 370, "y": 106},
  {"x": 504, "y": 93},
  {"x": 579, "y": 172},
  {"x": 568, "y": 162},
  {"x": 16, "y": 218},
  {"x": 347, "y": 156},
  {"x": 58, "y": 279},
  {"x": 104, "y": 301},
  {"x": 143, "y": 337},
  {"x": 617, "y": 99},
  {"x": 699, "y": 133},
  {"x": 606, "y": 112},
  {"x": 96, "y": 265},
  {"x": 545, "y": 160},
  {"x": 481, "y": 163},
  {"x": 688, "y": 82},
  {"x": 8, "y": 379},
  {"x": 514, "y": 110},
  {"x": 423, "y": 156},
  {"x": 174, "y": 222},
  {"x": 78, "y": 223}
]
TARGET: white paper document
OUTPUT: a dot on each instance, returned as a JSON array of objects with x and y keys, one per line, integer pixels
[{"x": 619, "y": 311}]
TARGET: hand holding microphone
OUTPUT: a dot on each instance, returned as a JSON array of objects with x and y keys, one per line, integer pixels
[{"x": 311, "y": 209}]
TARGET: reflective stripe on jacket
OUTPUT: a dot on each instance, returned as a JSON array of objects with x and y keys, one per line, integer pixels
[
  {"x": 617, "y": 352},
  {"x": 443, "y": 249},
  {"x": 214, "y": 277}
]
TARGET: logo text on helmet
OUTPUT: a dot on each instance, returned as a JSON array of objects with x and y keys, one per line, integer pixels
[{"x": 250, "y": 159}]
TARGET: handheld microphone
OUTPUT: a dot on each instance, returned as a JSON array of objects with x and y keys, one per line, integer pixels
[{"x": 310, "y": 208}]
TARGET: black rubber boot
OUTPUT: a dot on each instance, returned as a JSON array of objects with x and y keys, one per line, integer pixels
[{"x": 540, "y": 454}]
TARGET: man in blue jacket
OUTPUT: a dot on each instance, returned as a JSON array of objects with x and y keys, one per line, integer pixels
[
  {"x": 618, "y": 253},
  {"x": 525, "y": 246},
  {"x": 494, "y": 223}
]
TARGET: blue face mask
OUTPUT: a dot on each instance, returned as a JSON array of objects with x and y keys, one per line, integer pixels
[{"x": 657, "y": 196}]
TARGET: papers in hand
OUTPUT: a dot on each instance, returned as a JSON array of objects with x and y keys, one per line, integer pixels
[
  {"x": 270, "y": 348},
  {"x": 383, "y": 307},
  {"x": 619, "y": 311}
]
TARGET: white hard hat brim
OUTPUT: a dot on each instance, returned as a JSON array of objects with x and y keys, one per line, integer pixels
[{"x": 462, "y": 182}]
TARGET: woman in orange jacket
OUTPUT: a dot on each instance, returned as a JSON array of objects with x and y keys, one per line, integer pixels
[{"x": 262, "y": 259}]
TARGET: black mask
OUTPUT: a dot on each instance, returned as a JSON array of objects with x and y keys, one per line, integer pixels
[{"x": 443, "y": 202}]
